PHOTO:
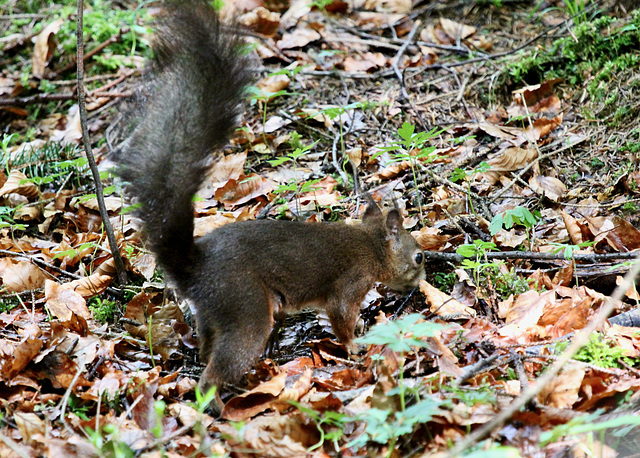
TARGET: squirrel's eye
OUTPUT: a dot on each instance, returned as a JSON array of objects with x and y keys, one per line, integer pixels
[{"x": 418, "y": 257}]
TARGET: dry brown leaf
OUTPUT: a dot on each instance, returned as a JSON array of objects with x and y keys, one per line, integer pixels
[
  {"x": 538, "y": 98},
  {"x": 20, "y": 276},
  {"x": 513, "y": 159},
  {"x": 30, "y": 425},
  {"x": 563, "y": 276},
  {"x": 619, "y": 234},
  {"x": 18, "y": 183},
  {"x": 44, "y": 47},
  {"x": 258, "y": 400},
  {"x": 72, "y": 131},
  {"x": 355, "y": 156},
  {"x": 225, "y": 168},
  {"x": 542, "y": 127},
  {"x": 274, "y": 83},
  {"x": 528, "y": 307},
  {"x": 96, "y": 283},
  {"x": 562, "y": 391},
  {"x": 388, "y": 6},
  {"x": 187, "y": 415},
  {"x": 68, "y": 306},
  {"x": 431, "y": 239},
  {"x": 364, "y": 63},
  {"x": 442, "y": 304},
  {"x": 575, "y": 233},
  {"x": 550, "y": 187},
  {"x": 277, "y": 435},
  {"x": 455, "y": 30},
  {"x": 245, "y": 188},
  {"x": 299, "y": 38},
  {"x": 261, "y": 20},
  {"x": 19, "y": 355},
  {"x": 509, "y": 238}
]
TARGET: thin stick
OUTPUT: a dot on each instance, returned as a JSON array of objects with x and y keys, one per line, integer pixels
[{"x": 113, "y": 244}]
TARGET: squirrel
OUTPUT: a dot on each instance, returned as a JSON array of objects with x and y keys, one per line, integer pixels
[{"x": 242, "y": 275}]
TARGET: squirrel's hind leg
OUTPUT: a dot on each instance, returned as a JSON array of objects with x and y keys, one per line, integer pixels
[{"x": 235, "y": 338}]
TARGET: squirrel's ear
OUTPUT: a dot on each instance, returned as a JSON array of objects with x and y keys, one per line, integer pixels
[
  {"x": 372, "y": 210},
  {"x": 393, "y": 222}
]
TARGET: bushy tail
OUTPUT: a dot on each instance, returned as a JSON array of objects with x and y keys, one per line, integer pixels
[{"x": 188, "y": 108}]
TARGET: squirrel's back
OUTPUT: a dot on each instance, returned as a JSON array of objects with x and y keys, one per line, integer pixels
[{"x": 186, "y": 109}]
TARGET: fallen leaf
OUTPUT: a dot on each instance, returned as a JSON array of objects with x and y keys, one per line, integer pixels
[
  {"x": 562, "y": 391},
  {"x": 442, "y": 304},
  {"x": 44, "y": 47}
]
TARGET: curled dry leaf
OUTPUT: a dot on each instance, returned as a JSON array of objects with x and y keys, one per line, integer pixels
[
  {"x": 261, "y": 21},
  {"x": 299, "y": 388},
  {"x": 442, "y": 304},
  {"x": 620, "y": 235},
  {"x": 277, "y": 435},
  {"x": 67, "y": 305},
  {"x": 72, "y": 131},
  {"x": 542, "y": 127},
  {"x": 44, "y": 46},
  {"x": 575, "y": 233},
  {"x": 187, "y": 415},
  {"x": 96, "y": 283},
  {"x": 28, "y": 214},
  {"x": 18, "y": 183},
  {"x": 538, "y": 98},
  {"x": 20, "y": 276},
  {"x": 255, "y": 401},
  {"x": 562, "y": 391},
  {"x": 274, "y": 83},
  {"x": 22, "y": 353},
  {"x": 550, "y": 187},
  {"x": 430, "y": 238}
]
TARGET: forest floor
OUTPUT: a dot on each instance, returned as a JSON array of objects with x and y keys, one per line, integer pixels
[{"x": 506, "y": 131}]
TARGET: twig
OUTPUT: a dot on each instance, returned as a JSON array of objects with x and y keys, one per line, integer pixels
[
  {"x": 113, "y": 244},
  {"x": 398, "y": 56}
]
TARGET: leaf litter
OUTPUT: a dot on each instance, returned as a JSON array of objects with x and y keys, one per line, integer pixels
[{"x": 72, "y": 383}]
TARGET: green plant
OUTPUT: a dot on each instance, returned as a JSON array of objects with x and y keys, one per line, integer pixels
[
  {"x": 476, "y": 250},
  {"x": 108, "y": 443},
  {"x": 258, "y": 95},
  {"x": 508, "y": 283},
  {"x": 589, "y": 423},
  {"x": 384, "y": 426},
  {"x": 459, "y": 174},
  {"x": 411, "y": 147},
  {"x": 519, "y": 215},
  {"x": 335, "y": 421},
  {"x": 599, "y": 352},
  {"x": 338, "y": 113},
  {"x": 103, "y": 310},
  {"x": 295, "y": 186},
  {"x": 630, "y": 208},
  {"x": 445, "y": 281}
]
